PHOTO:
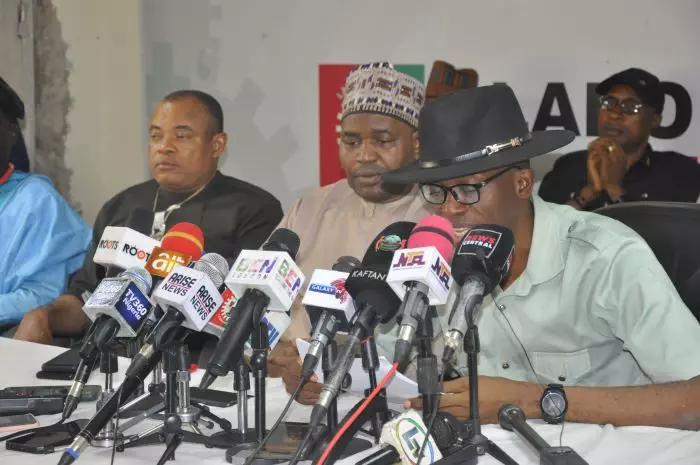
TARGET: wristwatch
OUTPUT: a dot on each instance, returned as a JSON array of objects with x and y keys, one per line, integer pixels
[{"x": 553, "y": 404}]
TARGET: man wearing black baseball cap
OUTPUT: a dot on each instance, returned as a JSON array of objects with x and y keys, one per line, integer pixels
[{"x": 620, "y": 165}]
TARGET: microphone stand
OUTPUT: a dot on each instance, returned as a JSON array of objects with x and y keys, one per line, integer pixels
[
  {"x": 377, "y": 413},
  {"x": 145, "y": 404},
  {"x": 512, "y": 418},
  {"x": 245, "y": 438},
  {"x": 475, "y": 443},
  {"x": 370, "y": 363},
  {"x": 427, "y": 366},
  {"x": 109, "y": 364},
  {"x": 179, "y": 410},
  {"x": 258, "y": 362},
  {"x": 428, "y": 383},
  {"x": 330, "y": 353},
  {"x": 149, "y": 403}
]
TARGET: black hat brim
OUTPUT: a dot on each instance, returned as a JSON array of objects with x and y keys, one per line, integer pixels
[{"x": 542, "y": 142}]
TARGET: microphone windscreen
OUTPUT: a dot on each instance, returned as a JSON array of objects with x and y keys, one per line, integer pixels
[
  {"x": 140, "y": 220},
  {"x": 213, "y": 265},
  {"x": 140, "y": 277},
  {"x": 186, "y": 238},
  {"x": 486, "y": 250},
  {"x": 283, "y": 240},
  {"x": 381, "y": 251},
  {"x": 346, "y": 264},
  {"x": 434, "y": 231}
]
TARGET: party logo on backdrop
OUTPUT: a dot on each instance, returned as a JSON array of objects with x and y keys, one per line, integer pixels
[{"x": 331, "y": 79}]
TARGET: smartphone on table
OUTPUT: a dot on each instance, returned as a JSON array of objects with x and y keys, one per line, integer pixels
[
  {"x": 13, "y": 423},
  {"x": 48, "y": 439}
]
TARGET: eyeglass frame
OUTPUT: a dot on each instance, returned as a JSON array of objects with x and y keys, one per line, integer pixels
[
  {"x": 477, "y": 187},
  {"x": 618, "y": 104}
]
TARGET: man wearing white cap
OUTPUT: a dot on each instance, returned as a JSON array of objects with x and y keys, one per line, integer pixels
[{"x": 378, "y": 133}]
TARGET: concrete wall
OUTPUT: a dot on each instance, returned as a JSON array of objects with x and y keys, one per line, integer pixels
[{"x": 105, "y": 146}]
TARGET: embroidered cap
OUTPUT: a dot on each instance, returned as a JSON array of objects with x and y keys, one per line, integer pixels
[{"x": 379, "y": 88}]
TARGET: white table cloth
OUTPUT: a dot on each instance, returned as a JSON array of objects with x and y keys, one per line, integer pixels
[{"x": 19, "y": 361}]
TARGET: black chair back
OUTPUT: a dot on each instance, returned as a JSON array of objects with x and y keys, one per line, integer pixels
[{"x": 670, "y": 229}]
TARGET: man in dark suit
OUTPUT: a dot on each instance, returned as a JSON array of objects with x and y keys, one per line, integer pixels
[{"x": 620, "y": 165}]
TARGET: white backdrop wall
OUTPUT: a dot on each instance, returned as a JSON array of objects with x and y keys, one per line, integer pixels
[
  {"x": 105, "y": 145},
  {"x": 261, "y": 59}
]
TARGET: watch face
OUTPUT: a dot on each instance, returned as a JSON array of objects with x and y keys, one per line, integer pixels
[{"x": 553, "y": 404}]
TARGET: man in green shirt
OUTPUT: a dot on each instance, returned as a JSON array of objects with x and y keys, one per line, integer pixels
[{"x": 586, "y": 307}]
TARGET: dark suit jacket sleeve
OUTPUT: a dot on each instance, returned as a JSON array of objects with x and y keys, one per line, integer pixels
[
  {"x": 257, "y": 223},
  {"x": 89, "y": 276}
]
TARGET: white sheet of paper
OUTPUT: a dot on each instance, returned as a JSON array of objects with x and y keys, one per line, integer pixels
[{"x": 398, "y": 389}]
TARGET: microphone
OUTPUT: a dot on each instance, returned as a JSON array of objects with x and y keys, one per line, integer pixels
[
  {"x": 402, "y": 437},
  {"x": 119, "y": 306},
  {"x": 327, "y": 293},
  {"x": 346, "y": 264},
  {"x": 193, "y": 293},
  {"x": 217, "y": 324},
  {"x": 266, "y": 279},
  {"x": 190, "y": 296},
  {"x": 182, "y": 240},
  {"x": 276, "y": 322},
  {"x": 124, "y": 300},
  {"x": 270, "y": 270},
  {"x": 139, "y": 221},
  {"x": 375, "y": 302},
  {"x": 482, "y": 260},
  {"x": 182, "y": 243},
  {"x": 512, "y": 418},
  {"x": 202, "y": 278},
  {"x": 114, "y": 251},
  {"x": 420, "y": 275},
  {"x": 123, "y": 247}
]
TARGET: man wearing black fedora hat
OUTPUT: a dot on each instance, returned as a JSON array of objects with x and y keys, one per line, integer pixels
[
  {"x": 620, "y": 165},
  {"x": 585, "y": 308}
]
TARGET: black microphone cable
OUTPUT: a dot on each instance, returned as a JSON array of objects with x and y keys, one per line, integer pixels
[
  {"x": 296, "y": 392},
  {"x": 300, "y": 449},
  {"x": 116, "y": 425},
  {"x": 433, "y": 416},
  {"x": 436, "y": 407},
  {"x": 529, "y": 362}
]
